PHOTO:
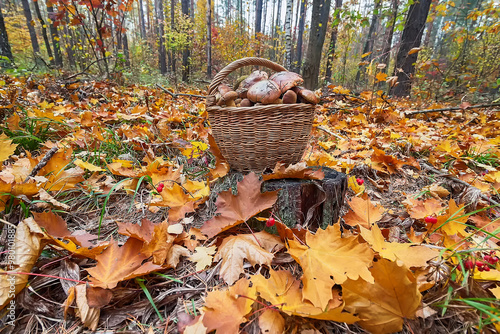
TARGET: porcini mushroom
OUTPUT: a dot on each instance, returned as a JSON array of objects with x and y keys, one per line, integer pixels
[
  {"x": 228, "y": 99},
  {"x": 246, "y": 103},
  {"x": 289, "y": 97},
  {"x": 286, "y": 80},
  {"x": 265, "y": 92},
  {"x": 306, "y": 95},
  {"x": 249, "y": 81}
]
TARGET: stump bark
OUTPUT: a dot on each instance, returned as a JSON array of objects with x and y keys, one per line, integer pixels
[{"x": 309, "y": 203}]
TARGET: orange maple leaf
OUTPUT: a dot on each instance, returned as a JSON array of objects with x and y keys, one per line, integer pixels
[
  {"x": 421, "y": 209},
  {"x": 296, "y": 171},
  {"x": 383, "y": 306},
  {"x": 233, "y": 210},
  {"x": 362, "y": 212},
  {"x": 330, "y": 259}
]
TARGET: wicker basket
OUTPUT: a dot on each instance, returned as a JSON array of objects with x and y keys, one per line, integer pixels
[{"x": 254, "y": 138}]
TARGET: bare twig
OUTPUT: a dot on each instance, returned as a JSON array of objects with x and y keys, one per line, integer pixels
[
  {"x": 454, "y": 179},
  {"x": 330, "y": 133},
  {"x": 174, "y": 95},
  {"x": 410, "y": 113},
  {"x": 86, "y": 68},
  {"x": 42, "y": 162}
]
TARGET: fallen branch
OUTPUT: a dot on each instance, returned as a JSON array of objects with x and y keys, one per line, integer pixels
[
  {"x": 410, "y": 113},
  {"x": 457, "y": 180},
  {"x": 174, "y": 95},
  {"x": 42, "y": 162},
  {"x": 330, "y": 133},
  {"x": 86, "y": 68}
]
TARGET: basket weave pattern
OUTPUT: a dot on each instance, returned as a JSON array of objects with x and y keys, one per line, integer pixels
[{"x": 254, "y": 138}]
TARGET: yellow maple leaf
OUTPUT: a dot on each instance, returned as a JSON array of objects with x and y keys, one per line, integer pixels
[
  {"x": 453, "y": 221},
  {"x": 196, "y": 149},
  {"x": 6, "y": 147},
  {"x": 328, "y": 259},
  {"x": 87, "y": 166},
  {"x": 203, "y": 257},
  {"x": 354, "y": 186},
  {"x": 381, "y": 76},
  {"x": 381, "y": 306},
  {"x": 363, "y": 212}
]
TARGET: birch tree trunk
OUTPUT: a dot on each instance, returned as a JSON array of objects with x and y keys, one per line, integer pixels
[
  {"x": 141, "y": 19},
  {"x": 302, "y": 20},
  {"x": 209, "y": 39},
  {"x": 288, "y": 34}
]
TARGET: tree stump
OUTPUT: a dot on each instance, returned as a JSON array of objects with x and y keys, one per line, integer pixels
[{"x": 309, "y": 203}]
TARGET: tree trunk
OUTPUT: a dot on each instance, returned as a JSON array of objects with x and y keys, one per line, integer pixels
[
  {"x": 264, "y": 9},
  {"x": 185, "y": 52},
  {"x": 69, "y": 46},
  {"x": 288, "y": 34},
  {"x": 44, "y": 31},
  {"x": 258, "y": 16},
  {"x": 309, "y": 203},
  {"x": 333, "y": 40},
  {"x": 5, "y": 50},
  {"x": 368, "y": 47},
  {"x": 389, "y": 32},
  {"x": 162, "y": 53},
  {"x": 319, "y": 22},
  {"x": 209, "y": 39},
  {"x": 172, "y": 41},
  {"x": 141, "y": 20},
  {"x": 300, "y": 38},
  {"x": 411, "y": 38},
  {"x": 31, "y": 28},
  {"x": 54, "y": 34},
  {"x": 126, "y": 50},
  {"x": 275, "y": 34}
]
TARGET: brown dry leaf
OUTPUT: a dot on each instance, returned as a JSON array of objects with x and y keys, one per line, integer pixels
[
  {"x": 174, "y": 255},
  {"x": 50, "y": 201},
  {"x": 193, "y": 238},
  {"x": 436, "y": 190},
  {"x": 421, "y": 209},
  {"x": 177, "y": 200},
  {"x": 60, "y": 178},
  {"x": 271, "y": 322},
  {"x": 160, "y": 243},
  {"x": 385, "y": 163},
  {"x": 221, "y": 166},
  {"x": 330, "y": 259},
  {"x": 225, "y": 310},
  {"x": 486, "y": 224},
  {"x": 407, "y": 254},
  {"x": 143, "y": 232},
  {"x": 98, "y": 297},
  {"x": 233, "y": 210},
  {"x": 235, "y": 249},
  {"x": 290, "y": 233},
  {"x": 116, "y": 264},
  {"x": 203, "y": 257},
  {"x": 296, "y": 171},
  {"x": 88, "y": 315},
  {"x": 73, "y": 248},
  {"x": 383, "y": 306},
  {"x": 363, "y": 212},
  {"x": 196, "y": 328}
]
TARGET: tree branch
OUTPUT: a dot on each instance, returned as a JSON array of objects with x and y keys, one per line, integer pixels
[
  {"x": 410, "y": 113},
  {"x": 175, "y": 95}
]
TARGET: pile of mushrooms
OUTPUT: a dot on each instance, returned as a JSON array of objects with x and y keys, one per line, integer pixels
[{"x": 259, "y": 89}]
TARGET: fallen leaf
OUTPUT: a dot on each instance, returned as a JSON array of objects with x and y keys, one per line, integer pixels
[
  {"x": 203, "y": 257},
  {"x": 88, "y": 315},
  {"x": 87, "y": 166},
  {"x": 296, "y": 171},
  {"x": 383, "y": 306},
  {"x": 421, "y": 209},
  {"x": 362, "y": 212},
  {"x": 6, "y": 147},
  {"x": 225, "y": 310},
  {"x": 236, "y": 209},
  {"x": 330, "y": 259},
  {"x": 235, "y": 249},
  {"x": 271, "y": 322}
]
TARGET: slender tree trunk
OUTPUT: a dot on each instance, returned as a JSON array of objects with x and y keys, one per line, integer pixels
[
  {"x": 333, "y": 40},
  {"x": 209, "y": 39},
  {"x": 141, "y": 20},
  {"x": 389, "y": 33},
  {"x": 5, "y": 50},
  {"x": 275, "y": 32},
  {"x": 126, "y": 50},
  {"x": 172, "y": 28},
  {"x": 288, "y": 34},
  {"x": 68, "y": 43},
  {"x": 430, "y": 25},
  {"x": 44, "y": 31},
  {"x": 162, "y": 53},
  {"x": 272, "y": 31},
  {"x": 258, "y": 16},
  {"x": 264, "y": 10},
  {"x": 192, "y": 10},
  {"x": 370, "y": 39},
  {"x": 185, "y": 52},
  {"x": 302, "y": 20},
  {"x": 319, "y": 23},
  {"x": 411, "y": 38},
  {"x": 54, "y": 35},
  {"x": 31, "y": 28}
]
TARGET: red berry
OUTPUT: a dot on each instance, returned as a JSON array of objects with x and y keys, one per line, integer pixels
[
  {"x": 270, "y": 222},
  {"x": 480, "y": 268},
  {"x": 360, "y": 181},
  {"x": 159, "y": 187},
  {"x": 494, "y": 260},
  {"x": 459, "y": 267},
  {"x": 431, "y": 220},
  {"x": 486, "y": 268},
  {"x": 480, "y": 263},
  {"x": 468, "y": 264},
  {"x": 488, "y": 259}
]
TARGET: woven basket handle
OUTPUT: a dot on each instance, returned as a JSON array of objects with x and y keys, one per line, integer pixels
[{"x": 238, "y": 64}]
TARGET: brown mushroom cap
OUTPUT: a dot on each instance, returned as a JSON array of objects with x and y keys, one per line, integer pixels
[
  {"x": 229, "y": 98},
  {"x": 246, "y": 103},
  {"x": 286, "y": 80},
  {"x": 306, "y": 95},
  {"x": 223, "y": 89},
  {"x": 265, "y": 92},
  {"x": 289, "y": 97},
  {"x": 253, "y": 78}
]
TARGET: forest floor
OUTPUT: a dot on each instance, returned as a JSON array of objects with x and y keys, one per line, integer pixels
[{"x": 119, "y": 155}]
